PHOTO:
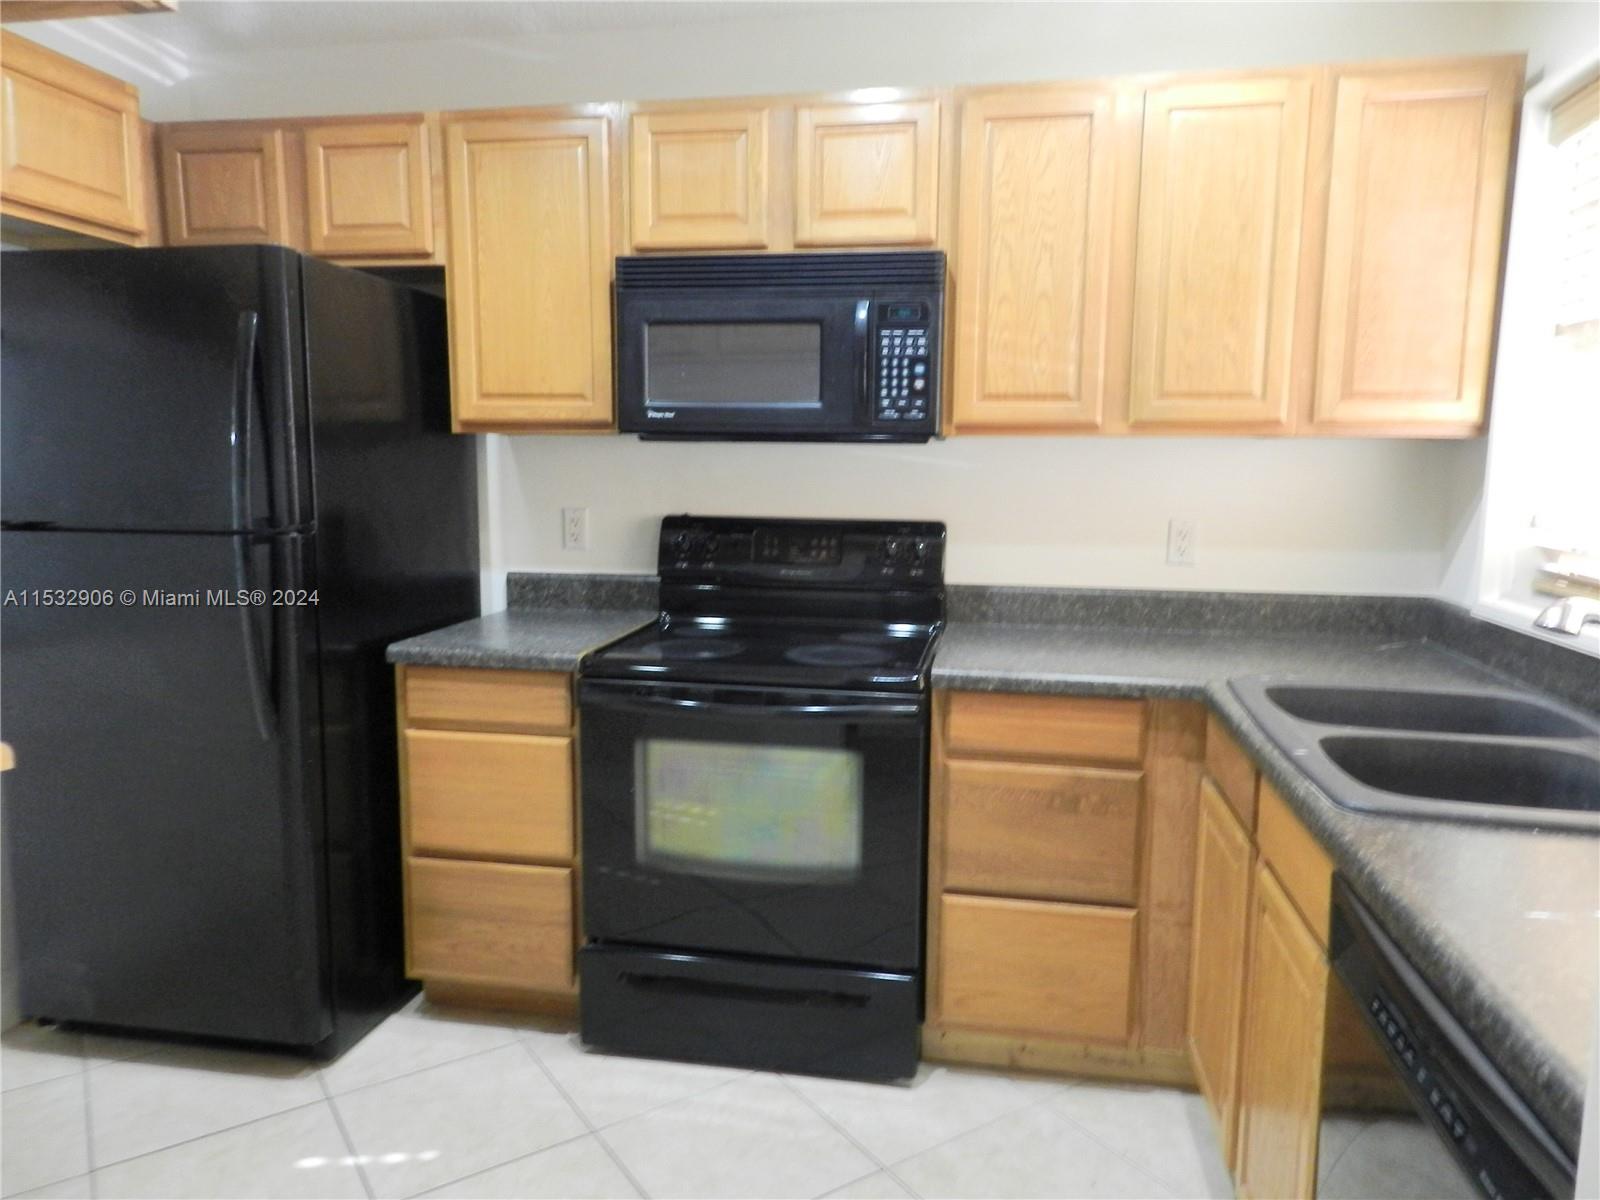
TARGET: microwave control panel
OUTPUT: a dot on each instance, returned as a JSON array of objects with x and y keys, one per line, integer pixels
[{"x": 904, "y": 379}]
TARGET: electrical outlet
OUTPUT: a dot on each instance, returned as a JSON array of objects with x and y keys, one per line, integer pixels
[
  {"x": 1180, "y": 542},
  {"x": 574, "y": 528}
]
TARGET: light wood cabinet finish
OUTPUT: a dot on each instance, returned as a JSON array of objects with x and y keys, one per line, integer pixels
[
  {"x": 1022, "y": 966},
  {"x": 1221, "y": 198},
  {"x": 1039, "y": 266},
  {"x": 1416, "y": 208},
  {"x": 867, "y": 174},
  {"x": 1042, "y": 832},
  {"x": 490, "y": 795},
  {"x": 1232, "y": 771},
  {"x": 1224, "y": 861},
  {"x": 1280, "y": 1073},
  {"x": 224, "y": 182},
  {"x": 1300, "y": 863},
  {"x": 476, "y": 698},
  {"x": 490, "y": 923},
  {"x": 69, "y": 142},
  {"x": 700, "y": 178},
  {"x": 369, "y": 189},
  {"x": 530, "y": 273},
  {"x": 1085, "y": 729}
]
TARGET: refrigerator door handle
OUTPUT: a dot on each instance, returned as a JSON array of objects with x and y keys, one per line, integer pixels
[
  {"x": 256, "y": 666},
  {"x": 244, "y": 390}
]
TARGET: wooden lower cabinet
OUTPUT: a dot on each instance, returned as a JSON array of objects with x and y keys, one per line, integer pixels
[
  {"x": 490, "y": 923},
  {"x": 1022, "y": 966},
  {"x": 1280, "y": 1069}
]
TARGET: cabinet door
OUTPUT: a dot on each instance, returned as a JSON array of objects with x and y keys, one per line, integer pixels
[
  {"x": 867, "y": 174},
  {"x": 70, "y": 139},
  {"x": 1217, "y": 967},
  {"x": 1416, "y": 205},
  {"x": 1221, "y": 198},
  {"x": 369, "y": 189},
  {"x": 489, "y": 923},
  {"x": 699, "y": 179},
  {"x": 1280, "y": 1073},
  {"x": 530, "y": 273},
  {"x": 1038, "y": 254},
  {"x": 224, "y": 184}
]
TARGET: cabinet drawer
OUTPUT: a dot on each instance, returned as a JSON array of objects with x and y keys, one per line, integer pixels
[
  {"x": 489, "y": 795},
  {"x": 1232, "y": 770},
  {"x": 1066, "y": 727},
  {"x": 466, "y": 698},
  {"x": 1023, "y": 966},
  {"x": 490, "y": 923},
  {"x": 1043, "y": 832}
]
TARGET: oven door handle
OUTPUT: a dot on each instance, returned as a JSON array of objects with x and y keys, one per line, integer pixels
[{"x": 878, "y": 711}]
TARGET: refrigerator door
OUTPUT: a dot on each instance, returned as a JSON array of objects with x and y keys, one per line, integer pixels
[
  {"x": 164, "y": 821},
  {"x": 153, "y": 390}
]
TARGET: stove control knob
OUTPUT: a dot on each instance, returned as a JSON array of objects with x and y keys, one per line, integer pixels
[
  {"x": 711, "y": 545},
  {"x": 920, "y": 551},
  {"x": 680, "y": 544},
  {"x": 893, "y": 550}
]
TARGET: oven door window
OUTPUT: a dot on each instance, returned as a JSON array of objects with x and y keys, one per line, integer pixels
[
  {"x": 728, "y": 364},
  {"x": 760, "y": 813}
]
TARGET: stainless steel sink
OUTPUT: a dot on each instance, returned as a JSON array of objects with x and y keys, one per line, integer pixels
[{"x": 1484, "y": 755}]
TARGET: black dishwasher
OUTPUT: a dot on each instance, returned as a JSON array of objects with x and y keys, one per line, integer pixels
[{"x": 1465, "y": 1132}]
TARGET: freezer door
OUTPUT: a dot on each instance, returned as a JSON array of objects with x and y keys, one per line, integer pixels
[
  {"x": 164, "y": 820},
  {"x": 153, "y": 390}
]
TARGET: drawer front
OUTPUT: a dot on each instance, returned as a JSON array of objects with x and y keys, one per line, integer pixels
[
  {"x": 1042, "y": 832},
  {"x": 465, "y": 698},
  {"x": 1298, "y": 860},
  {"x": 490, "y": 923},
  {"x": 1060, "y": 727},
  {"x": 489, "y": 795},
  {"x": 1024, "y": 966},
  {"x": 1232, "y": 770}
]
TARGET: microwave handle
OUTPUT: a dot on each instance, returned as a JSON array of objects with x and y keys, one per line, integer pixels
[{"x": 864, "y": 353}]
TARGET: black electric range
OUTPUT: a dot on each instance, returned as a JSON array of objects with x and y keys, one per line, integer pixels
[{"x": 754, "y": 799}]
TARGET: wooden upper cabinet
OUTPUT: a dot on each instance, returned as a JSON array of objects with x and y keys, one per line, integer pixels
[
  {"x": 1416, "y": 207},
  {"x": 369, "y": 189},
  {"x": 1221, "y": 200},
  {"x": 69, "y": 142},
  {"x": 223, "y": 183},
  {"x": 867, "y": 174},
  {"x": 700, "y": 179},
  {"x": 530, "y": 272},
  {"x": 1038, "y": 259}
]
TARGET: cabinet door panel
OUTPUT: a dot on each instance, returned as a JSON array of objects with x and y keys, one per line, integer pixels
[
  {"x": 1022, "y": 966},
  {"x": 1221, "y": 194},
  {"x": 699, "y": 179},
  {"x": 489, "y": 795},
  {"x": 1416, "y": 206},
  {"x": 1223, "y": 860},
  {"x": 867, "y": 174},
  {"x": 530, "y": 269},
  {"x": 1036, "y": 249},
  {"x": 1084, "y": 728},
  {"x": 1280, "y": 1073},
  {"x": 489, "y": 923},
  {"x": 369, "y": 189},
  {"x": 224, "y": 184},
  {"x": 70, "y": 139}
]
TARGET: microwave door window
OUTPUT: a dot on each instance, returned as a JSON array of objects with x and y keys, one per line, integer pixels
[
  {"x": 733, "y": 365},
  {"x": 756, "y": 813}
]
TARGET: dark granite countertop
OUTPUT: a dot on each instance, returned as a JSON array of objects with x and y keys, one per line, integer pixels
[
  {"x": 521, "y": 639},
  {"x": 1503, "y": 923}
]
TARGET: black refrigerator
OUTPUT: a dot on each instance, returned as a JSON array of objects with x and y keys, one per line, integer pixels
[{"x": 228, "y": 483}]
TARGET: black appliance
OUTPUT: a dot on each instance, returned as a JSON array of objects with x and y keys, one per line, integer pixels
[
  {"x": 825, "y": 347},
  {"x": 1442, "y": 1121},
  {"x": 754, "y": 799},
  {"x": 229, "y": 483}
]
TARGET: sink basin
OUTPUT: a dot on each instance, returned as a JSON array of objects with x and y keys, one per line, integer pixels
[
  {"x": 1425, "y": 712},
  {"x": 1471, "y": 772}
]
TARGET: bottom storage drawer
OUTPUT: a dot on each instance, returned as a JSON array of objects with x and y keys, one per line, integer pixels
[
  {"x": 1025, "y": 966},
  {"x": 490, "y": 923}
]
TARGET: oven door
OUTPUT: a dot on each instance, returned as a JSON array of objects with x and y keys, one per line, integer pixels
[
  {"x": 774, "y": 822},
  {"x": 733, "y": 362}
]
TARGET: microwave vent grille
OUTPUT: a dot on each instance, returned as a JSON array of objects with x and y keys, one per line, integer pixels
[{"x": 922, "y": 268}]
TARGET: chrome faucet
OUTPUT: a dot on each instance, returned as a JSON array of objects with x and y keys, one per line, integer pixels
[{"x": 1569, "y": 615}]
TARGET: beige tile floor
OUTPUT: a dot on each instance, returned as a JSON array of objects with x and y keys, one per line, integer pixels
[{"x": 450, "y": 1103}]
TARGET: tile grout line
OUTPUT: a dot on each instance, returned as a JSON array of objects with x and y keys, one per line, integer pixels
[
  {"x": 449, "y": 1062},
  {"x": 577, "y": 1137},
  {"x": 349, "y": 1142},
  {"x": 1104, "y": 1145},
  {"x": 88, "y": 1126},
  {"x": 209, "y": 1133},
  {"x": 584, "y": 1117},
  {"x": 845, "y": 1133}
]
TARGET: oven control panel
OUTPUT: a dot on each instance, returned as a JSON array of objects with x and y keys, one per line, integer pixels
[
  {"x": 904, "y": 383},
  {"x": 836, "y": 553}
]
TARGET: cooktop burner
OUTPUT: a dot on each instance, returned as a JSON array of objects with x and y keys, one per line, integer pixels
[
  {"x": 701, "y": 651},
  {"x": 837, "y": 654}
]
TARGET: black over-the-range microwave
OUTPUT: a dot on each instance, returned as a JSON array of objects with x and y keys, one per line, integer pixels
[{"x": 820, "y": 347}]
